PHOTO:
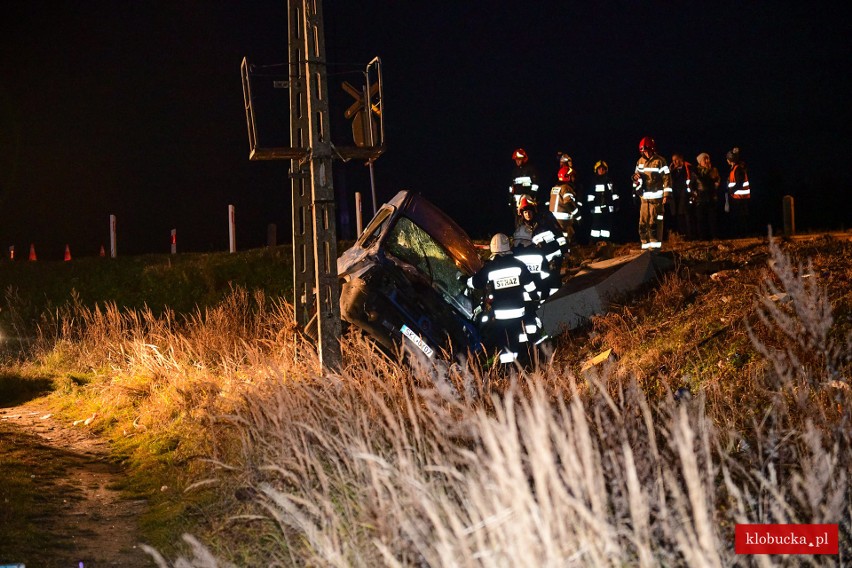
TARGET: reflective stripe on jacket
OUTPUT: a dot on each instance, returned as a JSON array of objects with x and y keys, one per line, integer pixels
[
  {"x": 654, "y": 177},
  {"x": 739, "y": 188}
]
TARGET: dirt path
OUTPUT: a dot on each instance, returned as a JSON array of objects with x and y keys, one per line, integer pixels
[{"x": 72, "y": 514}]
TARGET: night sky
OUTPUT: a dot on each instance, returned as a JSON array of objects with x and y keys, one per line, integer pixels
[{"x": 135, "y": 108}]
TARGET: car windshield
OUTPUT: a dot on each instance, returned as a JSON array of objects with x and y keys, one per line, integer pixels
[{"x": 411, "y": 244}]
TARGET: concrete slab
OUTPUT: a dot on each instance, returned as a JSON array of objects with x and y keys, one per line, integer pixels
[{"x": 592, "y": 289}]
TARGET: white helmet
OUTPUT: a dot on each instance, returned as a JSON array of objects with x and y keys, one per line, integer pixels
[{"x": 500, "y": 244}]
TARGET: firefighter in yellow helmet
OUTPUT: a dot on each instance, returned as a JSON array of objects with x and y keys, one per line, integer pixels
[{"x": 601, "y": 203}]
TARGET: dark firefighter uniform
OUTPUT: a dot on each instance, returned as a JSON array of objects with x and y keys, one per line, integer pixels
[
  {"x": 524, "y": 181},
  {"x": 602, "y": 203},
  {"x": 651, "y": 183},
  {"x": 507, "y": 320},
  {"x": 682, "y": 201},
  {"x": 545, "y": 239},
  {"x": 536, "y": 264}
]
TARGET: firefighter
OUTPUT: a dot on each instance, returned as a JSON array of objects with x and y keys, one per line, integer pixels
[
  {"x": 738, "y": 193},
  {"x": 524, "y": 181},
  {"x": 564, "y": 160},
  {"x": 602, "y": 204},
  {"x": 541, "y": 244},
  {"x": 563, "y": 201},
  {"x": 652, "y": 186},
  {"x": 680, "y": 205},
  {"x": 507, "y": 315}
]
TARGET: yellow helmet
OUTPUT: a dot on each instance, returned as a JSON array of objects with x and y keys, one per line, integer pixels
[{"x": 601, "y": 164}]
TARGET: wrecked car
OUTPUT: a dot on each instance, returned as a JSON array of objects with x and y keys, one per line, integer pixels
[{"x": 403, "y": 282}]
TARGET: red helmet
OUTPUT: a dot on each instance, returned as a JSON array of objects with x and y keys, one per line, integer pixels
[
  {"x": 520, "y": 154},
  {"x": 565, "y": 173},
  {"x": 647, "y": 144},
  {"x": 526, "y": 203}
]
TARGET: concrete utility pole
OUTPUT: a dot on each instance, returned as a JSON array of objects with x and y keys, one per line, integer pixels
[
  {"x": 315, "y": 281},
  {"x": 317, "y": 290}
]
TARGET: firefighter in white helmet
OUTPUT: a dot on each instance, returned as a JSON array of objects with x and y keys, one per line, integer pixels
[{"x": 507, "y": 319}]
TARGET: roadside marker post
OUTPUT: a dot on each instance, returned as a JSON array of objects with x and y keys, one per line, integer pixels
[
  {"x": 113, "y": 252},
  {"x": 232, "y": 238}
]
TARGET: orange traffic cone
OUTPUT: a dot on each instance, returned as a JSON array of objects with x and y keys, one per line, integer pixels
[
  {"x": 67, "y": 253},
  {"x": 32, "y": 252},
  {"x": 103, "y": 252}
]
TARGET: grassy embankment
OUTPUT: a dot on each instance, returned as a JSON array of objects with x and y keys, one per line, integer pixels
[
  {"x": 267, "y": 458},
  {"x": 42, "y": 359}
]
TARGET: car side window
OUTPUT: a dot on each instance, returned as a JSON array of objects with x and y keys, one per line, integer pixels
[{"x": 375, "y": 228}]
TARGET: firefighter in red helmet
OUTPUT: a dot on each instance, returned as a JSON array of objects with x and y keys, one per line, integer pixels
[
  {"x": 540, "y": 236},
  {"x": 652, "y": 185},
  {"x": 524, "y": 181},
  {"x": 563, "y": 200}
]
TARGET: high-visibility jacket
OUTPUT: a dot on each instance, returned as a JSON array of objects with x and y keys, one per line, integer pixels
[
  {"x": 654, "y": 180},
  {"x": 738, "y": 186},
  {"x": 563, "y": 203}
]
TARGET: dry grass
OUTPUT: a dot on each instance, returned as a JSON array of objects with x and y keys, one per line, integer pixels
[{"x": 452, "y": 465}]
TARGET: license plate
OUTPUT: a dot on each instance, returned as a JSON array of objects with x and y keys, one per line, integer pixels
[
  {"x": 506, "y": 282},
  {"x": 416, "y": 340}
]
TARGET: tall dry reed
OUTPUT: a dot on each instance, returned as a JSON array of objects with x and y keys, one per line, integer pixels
[{"x": 423, "y": 464}]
